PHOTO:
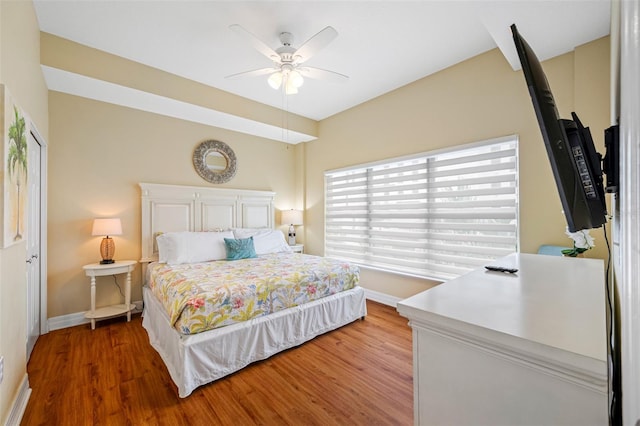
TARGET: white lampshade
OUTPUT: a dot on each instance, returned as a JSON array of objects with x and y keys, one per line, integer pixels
[
  {"x": 291, "y": 217},
  {"x": 296, "y": 79},
  {"x": 275, "y": 80},
  {"x": 106, "y": 227},
  {"x": 290, "y": 88}
]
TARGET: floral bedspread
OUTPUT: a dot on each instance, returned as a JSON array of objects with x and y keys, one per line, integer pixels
[{"x": 202, "y": 296}]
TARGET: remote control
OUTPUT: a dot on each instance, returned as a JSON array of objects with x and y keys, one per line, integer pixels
[{"x": 501, "y": 269}]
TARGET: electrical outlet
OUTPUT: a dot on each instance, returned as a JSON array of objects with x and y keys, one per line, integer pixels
[{"x": 1, "y": 368}]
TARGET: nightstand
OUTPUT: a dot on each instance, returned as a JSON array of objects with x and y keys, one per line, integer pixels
[
  {"x": 297, "y": 248},
  {"x": 94, "y": 270}
]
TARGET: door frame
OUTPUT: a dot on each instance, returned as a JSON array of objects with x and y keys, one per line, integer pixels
[
  {"x": 44, "y": 323},
  {"x": 627, "y": 264}
]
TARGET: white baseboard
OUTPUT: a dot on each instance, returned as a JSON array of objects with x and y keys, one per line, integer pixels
[
  {"x": 383, "y": 298},
  {"x": 71, "y": 320},
  {"x": 20, "y": 403},
  {"x": 64, "y": 321}
]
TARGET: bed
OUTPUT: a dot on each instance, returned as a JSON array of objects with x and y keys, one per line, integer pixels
[{"x": 270, "y": 317}]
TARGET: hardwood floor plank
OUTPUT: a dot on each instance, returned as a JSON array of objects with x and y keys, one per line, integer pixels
[{"x": 360, "y": 374}]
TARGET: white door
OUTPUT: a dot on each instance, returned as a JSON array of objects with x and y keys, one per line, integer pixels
[{"x": 34, "y": 238}]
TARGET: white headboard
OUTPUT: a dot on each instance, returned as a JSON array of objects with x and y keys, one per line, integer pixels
[{"x": 173, "y": 208}]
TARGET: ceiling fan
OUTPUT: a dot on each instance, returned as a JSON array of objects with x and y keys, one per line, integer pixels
[{"x": 287, "y": 71}]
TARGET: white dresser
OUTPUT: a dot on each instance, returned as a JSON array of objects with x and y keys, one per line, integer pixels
[{"x": 491, "y": 348}]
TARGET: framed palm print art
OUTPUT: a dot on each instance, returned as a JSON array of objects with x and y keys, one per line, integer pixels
[{"x": 14, "y": 169}]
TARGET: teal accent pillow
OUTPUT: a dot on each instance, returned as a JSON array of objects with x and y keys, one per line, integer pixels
[{"x": 241, "y": 248}]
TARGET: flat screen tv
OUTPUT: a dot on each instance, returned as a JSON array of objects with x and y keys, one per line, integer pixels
[{"x": 574, "y": 160}]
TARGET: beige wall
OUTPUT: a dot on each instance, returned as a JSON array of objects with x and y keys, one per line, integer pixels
[
  {"x": 20, "y": 72},
  {"x": 102, "y": 151},
  {"x": 100, "y": 154},
  {"x": 478, "y": 99}
]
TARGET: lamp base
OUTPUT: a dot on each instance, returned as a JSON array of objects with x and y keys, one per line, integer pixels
[
  {"x": 292, "y": 236},
  {"x": 107, "y": 250}
]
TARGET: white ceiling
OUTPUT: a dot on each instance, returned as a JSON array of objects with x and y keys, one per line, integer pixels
[{"x": 381, "y": 45}]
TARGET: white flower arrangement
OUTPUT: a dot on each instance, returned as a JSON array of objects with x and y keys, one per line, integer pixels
[{"x": 582, "y": 242}]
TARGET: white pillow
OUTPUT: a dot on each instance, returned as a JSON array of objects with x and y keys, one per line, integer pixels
[
  {"x": 175, "y": 248},
  {"x": 265, "y": 240},
  {"x": 166, "y": 248}
]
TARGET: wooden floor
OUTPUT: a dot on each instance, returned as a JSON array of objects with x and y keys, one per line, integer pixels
[{"x": 360, "y": 374}]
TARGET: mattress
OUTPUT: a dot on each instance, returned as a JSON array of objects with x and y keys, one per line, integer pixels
[{"x": 202, "y": 296}]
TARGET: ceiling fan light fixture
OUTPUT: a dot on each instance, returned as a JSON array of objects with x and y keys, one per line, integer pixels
[
  {"x": 286, "y": 58},
  {"x": 290, "y": 78},
  {"x": 275, "y": 80}
]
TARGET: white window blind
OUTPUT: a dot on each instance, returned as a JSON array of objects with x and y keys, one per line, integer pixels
[{"x": 435, "y": 215}]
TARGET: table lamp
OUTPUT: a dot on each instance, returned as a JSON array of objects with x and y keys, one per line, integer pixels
[
  {"x": 292, "y": 218},
  {"x": 107, "y": 227}
]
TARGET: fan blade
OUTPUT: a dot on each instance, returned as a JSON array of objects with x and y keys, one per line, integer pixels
[
  {"x": 320, "y": 74},
  {"x": 314, "y": 44},
  {"x": 253, "y": 73},
  {"x": 258, "y": 44}
]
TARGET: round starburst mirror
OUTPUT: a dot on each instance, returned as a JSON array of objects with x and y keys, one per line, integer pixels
[{"x": 214, "y": 161}]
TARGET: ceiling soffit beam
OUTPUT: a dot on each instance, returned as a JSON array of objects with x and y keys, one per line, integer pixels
[{"x": 73, "y": 68}]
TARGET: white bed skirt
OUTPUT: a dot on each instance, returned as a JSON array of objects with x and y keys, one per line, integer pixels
[{"x": 194, "y": 360}]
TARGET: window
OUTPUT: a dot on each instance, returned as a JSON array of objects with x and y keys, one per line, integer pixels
[{"x": 435, "y": 215}]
